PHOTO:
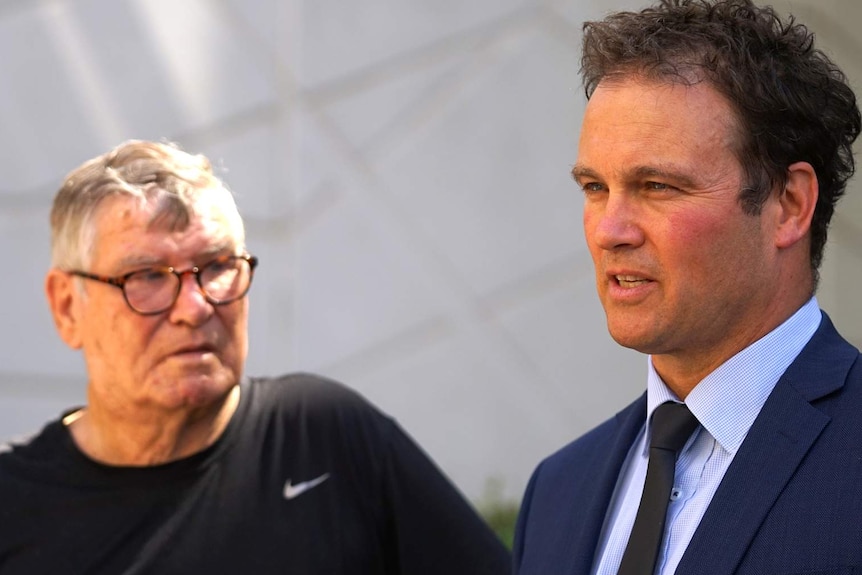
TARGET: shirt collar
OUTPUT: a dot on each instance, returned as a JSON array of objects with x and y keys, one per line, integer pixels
[{"x": 727, "y": 401}]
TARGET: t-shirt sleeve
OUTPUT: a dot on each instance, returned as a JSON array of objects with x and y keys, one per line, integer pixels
[{"x": 435, "y": 529}]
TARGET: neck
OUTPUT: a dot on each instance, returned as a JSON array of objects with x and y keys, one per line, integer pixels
[
  {"x": 682, "y": 372},
  {"x": 162, "y": 438}
]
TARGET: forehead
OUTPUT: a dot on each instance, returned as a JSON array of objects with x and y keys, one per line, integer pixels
[
  {"x": 130, "y": 229},
  {"x": 657, "y": 122}
]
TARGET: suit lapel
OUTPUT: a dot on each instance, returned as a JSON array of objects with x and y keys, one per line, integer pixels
[
  {"x": 592, "y": 508},
  {"x": 783, "y": 433},
  {"x": 781, "y": 436}
]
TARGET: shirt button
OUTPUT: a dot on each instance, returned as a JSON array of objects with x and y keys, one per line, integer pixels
[{"x": 675, "y": 493}]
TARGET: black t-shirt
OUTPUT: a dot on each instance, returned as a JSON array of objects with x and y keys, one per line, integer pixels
[{"x": 307, "y": 478}]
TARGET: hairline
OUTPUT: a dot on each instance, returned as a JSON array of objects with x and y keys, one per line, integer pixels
[{"x": 86, "y": 236}]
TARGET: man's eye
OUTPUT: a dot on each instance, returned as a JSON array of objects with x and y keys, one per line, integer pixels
[
  {"x": 153, "y": 276},
  {"x": 590, "y": 187},
  {"x": 220, "y": 266},
  {"x": 658, "y": 186}
]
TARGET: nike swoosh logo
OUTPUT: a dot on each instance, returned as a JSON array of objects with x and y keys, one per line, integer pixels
[{"x": 293, "y": 491}]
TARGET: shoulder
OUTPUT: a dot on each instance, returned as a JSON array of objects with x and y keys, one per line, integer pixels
[
  {"x": 307, "y": 391},
  {"x": 45, "y": 441},
  {"x": 828, "y": 363},
  {"x": 598, "y": 443},
  {"x": 578, "y": 454},
  {"x": 600, "y": 451},
  {"x": 574, "y": 479},
  {"x": 37, "y": 455},
  {"x": 314, "y": 402},
  {"x": 316, "y": 419},
  {"x": 562, "y": 489}
]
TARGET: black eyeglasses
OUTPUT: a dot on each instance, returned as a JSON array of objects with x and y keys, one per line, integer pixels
[{"x": 152, "y": 291}]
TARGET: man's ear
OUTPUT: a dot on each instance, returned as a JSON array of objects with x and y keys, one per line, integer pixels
[
  {"x": 64, "y": 299},
  {"x": 796, "y": 204}
]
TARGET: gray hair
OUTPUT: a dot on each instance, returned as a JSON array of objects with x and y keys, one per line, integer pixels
[{"x": 152, "y": 172}]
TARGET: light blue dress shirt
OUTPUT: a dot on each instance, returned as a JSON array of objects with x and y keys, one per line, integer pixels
[{"x": 726, "y": 403}]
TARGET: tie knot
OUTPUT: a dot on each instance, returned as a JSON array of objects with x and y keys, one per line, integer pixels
[{"x": 672, "y": 425}]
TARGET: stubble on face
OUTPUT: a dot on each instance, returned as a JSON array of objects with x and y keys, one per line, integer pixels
[
  {"x": 183, "y": 360},
  {"x": 682, "y": 272}
]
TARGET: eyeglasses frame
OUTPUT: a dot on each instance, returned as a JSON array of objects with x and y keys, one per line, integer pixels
[{"x": 120, "y": 281}]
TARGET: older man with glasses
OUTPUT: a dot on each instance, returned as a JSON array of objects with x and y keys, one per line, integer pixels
[{"x": 178, "y": 463}]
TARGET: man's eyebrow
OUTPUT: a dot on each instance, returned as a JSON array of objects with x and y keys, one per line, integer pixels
[
  {"x": 137, "y": 261},
  {"x": 143, "y": 261},
  {"x": 218, "y": 249},
  {"x": 671, "y": 173},
  {"x": 665, "y": 173},
  {"x": 580, "y": 171}
]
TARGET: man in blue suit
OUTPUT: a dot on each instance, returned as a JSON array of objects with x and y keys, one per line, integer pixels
[{"x": 714, "y": 147}]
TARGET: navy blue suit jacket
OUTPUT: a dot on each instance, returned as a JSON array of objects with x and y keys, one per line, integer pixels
[{"x": 790, "y": 503}]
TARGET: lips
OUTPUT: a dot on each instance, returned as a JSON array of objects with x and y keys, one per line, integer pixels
[
  {"x": 630, "y": 281},
  {"x": 194, "y": 348}
]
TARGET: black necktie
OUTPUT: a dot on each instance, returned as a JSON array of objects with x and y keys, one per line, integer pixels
[{"x": 672, "y": 425}]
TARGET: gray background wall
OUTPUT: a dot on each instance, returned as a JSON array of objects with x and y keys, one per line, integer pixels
[{"x": 403, "y": 168}]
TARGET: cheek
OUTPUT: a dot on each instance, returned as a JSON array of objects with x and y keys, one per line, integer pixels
[
  {"x": 714, "y": 248},
  {"x": 115, "y": 347},
  {"x": 590, "y": 221},
  {"x": 97, "y": 326},
  {"x": 699, "y": 231},
  {"x": 692, "y": 244},
  {"x": 235, "y": 322},
  {"x": 127, "y": 338},
  {"x": 694, "y": 227}
]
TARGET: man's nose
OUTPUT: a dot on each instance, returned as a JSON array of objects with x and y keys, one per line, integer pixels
[
  {"x": 191, "y": 306},
  {"x": 615, "y": 222}
]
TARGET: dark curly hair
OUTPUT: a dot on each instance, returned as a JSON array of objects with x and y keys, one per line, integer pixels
[{"x": 792, "y": 102}]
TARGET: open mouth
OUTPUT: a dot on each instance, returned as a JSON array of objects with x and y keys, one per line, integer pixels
[
  {"x": 627, "y": 281},
  {"x": 195, "y": 349}
]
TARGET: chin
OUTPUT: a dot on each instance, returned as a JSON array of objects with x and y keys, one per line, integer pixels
[
  {"x": 636, "y": 340},
  {"x": 199, "y": 390}
]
